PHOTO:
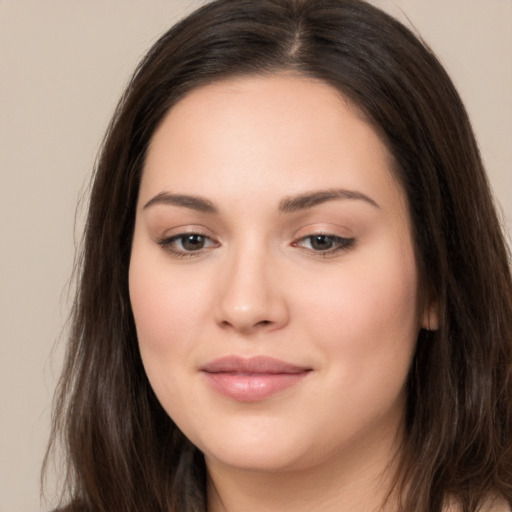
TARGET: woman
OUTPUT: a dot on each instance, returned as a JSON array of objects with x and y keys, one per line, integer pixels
[{"x": 294, "y": 291}]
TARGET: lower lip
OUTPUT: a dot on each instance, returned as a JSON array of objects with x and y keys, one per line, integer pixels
[{"x": 252, "y": 387}]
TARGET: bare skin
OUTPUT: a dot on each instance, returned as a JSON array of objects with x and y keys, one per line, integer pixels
[{"x": 270, "y": 228}]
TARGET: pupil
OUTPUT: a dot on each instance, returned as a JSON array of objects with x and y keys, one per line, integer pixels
[
  {"x": 192, "y": 242},
  {"x": 321, "y": 242}
]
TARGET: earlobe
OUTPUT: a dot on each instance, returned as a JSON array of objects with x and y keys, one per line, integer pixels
[{"x": 430, "y": 317}]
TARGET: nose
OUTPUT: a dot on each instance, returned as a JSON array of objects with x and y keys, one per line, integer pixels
[{"x": 251, "y": 296}]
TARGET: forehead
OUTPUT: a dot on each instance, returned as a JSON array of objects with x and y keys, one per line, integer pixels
[{"x": 280, "y": 132}]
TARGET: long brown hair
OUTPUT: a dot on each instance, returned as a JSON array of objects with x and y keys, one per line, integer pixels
[{"x": 123, "y": 451}]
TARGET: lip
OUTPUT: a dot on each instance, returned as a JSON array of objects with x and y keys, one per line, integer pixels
[{"x": 252, "y": 379}]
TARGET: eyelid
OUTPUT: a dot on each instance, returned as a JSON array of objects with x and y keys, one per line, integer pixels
[
  {"x": 184, "y": 229},
  {"x": 342, "y": 243},
  {"x": 327, "y": 229},
  {"x": 167, "y": 240}
]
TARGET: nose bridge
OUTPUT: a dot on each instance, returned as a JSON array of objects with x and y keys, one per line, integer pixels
[{"x": 251, "y": 295}]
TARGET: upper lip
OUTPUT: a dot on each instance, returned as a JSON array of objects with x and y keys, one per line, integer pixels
[{"x": 255, "y": 365}]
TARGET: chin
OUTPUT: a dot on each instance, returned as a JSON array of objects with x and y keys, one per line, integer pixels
[
  {"x": 260, "y": 450},
  {"x": 266, "y": 450},
  {"x": 256, "y": 459}
]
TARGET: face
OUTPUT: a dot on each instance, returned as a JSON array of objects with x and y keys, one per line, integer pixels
[{"x": 273, "y": 278}]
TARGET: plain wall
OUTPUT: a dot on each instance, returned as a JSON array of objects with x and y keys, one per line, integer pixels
[{"x": 63, "y": 65}]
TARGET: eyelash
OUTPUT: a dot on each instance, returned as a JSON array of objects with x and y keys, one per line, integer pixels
[
  {"x": 339, "y": 244},
  {"x": 168, "y": 245}
]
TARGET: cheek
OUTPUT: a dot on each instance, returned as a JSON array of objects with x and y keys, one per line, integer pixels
[
  {"x": 161, "y": 312},
  {"x": 166, "y": 320},
  {"x": 167, "y": 316},
  {"x": 365, "y": 317},
  {"x": 167, "y": 303}
]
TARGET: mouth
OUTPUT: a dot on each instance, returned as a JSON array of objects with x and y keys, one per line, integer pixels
[{"x": 252, "y": 379}]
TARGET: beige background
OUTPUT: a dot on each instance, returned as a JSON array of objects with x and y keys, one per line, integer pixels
[{"x": 63, "y": 64}]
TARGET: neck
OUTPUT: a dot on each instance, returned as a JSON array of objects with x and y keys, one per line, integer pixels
[{"x": 358, "y": 479}]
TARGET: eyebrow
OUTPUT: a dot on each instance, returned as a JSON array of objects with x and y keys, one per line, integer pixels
[
  {"x": 193, "y": 202},
  {"x": 311, "y": 199},
  {"x": 287, "y": 205}
]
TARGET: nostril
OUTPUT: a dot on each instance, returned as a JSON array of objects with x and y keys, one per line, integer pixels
[{"x": 262, "y": 323}]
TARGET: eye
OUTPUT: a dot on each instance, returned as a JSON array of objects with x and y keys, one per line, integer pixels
[
  {"x": 186, "y": 244},
  {"x": 324, "y": 244}
]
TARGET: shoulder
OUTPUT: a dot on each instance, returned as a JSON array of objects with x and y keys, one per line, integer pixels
[
  {"x": 497, "y": 505},
  {"x": 72, "y": 507},
  {"x": 491, "y": 505}
]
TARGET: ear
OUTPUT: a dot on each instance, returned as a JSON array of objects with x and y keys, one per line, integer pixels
[{"x": 430, "y": 316}]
